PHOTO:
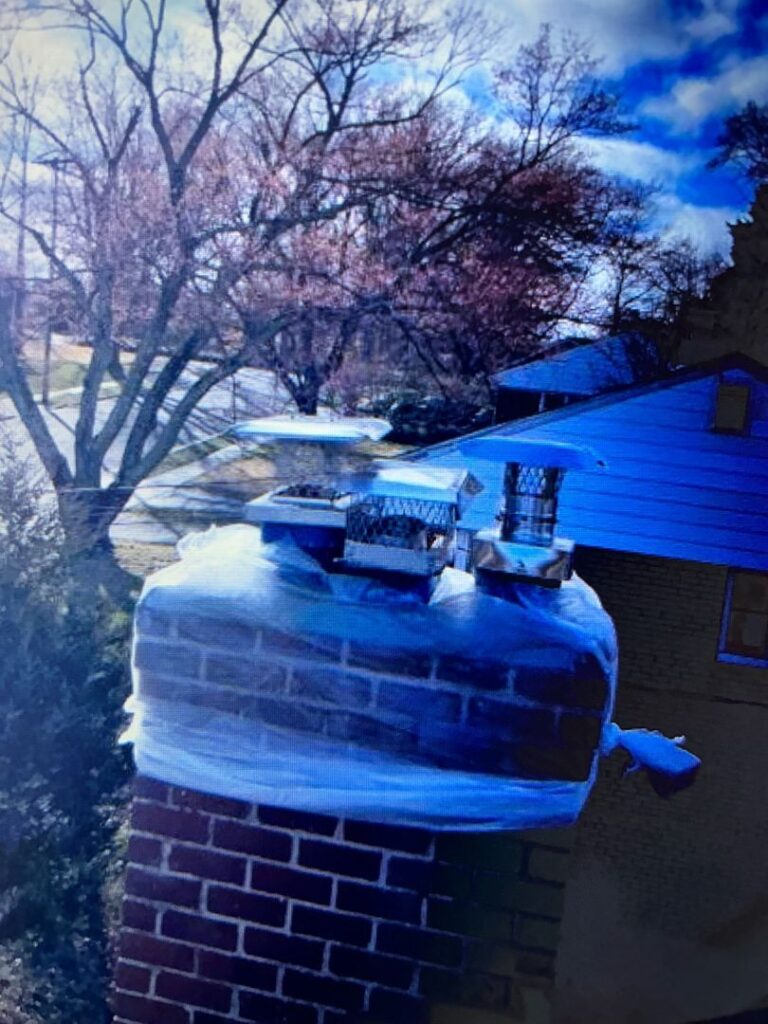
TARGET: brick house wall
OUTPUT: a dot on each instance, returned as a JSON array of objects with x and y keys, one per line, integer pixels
[
  {"x": 234, "y": 912},
  {"x": 666, "y": 908}
]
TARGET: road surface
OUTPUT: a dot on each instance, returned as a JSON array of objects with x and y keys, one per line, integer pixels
[{"x": 167, "y": 504}]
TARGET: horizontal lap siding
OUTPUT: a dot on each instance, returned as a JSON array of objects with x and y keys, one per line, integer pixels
[
  {"x": 583, "y": 488},
  {"x": 672, "y": 487},
  {"x": 673, "y": 548},
  {"x": 706, "y": 462},
  {"x": 707, "y": 527}
]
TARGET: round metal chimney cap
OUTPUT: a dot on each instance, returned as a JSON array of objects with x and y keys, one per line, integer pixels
[
  {"x": 311, "y": 429},
  {"x": 555, "y": 454}
]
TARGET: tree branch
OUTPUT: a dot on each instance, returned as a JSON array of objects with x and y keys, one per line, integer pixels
[
  {"x": 152, "y": 401},
  {"x": 21, "y": 395},
  {"x": 148, "y": 349},
  {"x": 170, "y": 430}
]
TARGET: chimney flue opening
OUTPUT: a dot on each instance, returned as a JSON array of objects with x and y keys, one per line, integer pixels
[{"x": 523, "y": 545}]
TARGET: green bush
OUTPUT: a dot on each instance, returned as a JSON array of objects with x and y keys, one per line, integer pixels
[{"x": 63, "y": 678}]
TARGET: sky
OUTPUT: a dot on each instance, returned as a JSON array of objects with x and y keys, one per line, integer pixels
[{"x": 681, "y": 67}]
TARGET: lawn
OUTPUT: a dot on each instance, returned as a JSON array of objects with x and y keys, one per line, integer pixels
[
  {"x": 64, "y": 375},
  {"x": 68, "y": 366}
]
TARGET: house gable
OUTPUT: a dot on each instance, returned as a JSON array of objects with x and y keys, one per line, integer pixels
[{"x": 673, "y": 487}]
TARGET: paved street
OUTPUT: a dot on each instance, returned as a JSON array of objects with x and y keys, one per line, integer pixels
[
  {"x": 210, "y": 488},
  {"x": 166, "y": 505}
]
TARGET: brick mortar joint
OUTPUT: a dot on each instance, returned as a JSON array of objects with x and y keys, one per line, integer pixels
[
  {"x": 464, "y": 692},
  {"x": 340, "y": 660},
  {"x": 386, "y": 858},
  {"x": 386, "y": 854}
]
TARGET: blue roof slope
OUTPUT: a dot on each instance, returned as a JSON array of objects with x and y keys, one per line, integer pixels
[
  {"x": 586, "y": 368},
  {"x": 672, "y": 487}
]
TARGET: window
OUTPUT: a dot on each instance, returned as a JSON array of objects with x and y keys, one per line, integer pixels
[
  {"x": 731, "y": 409},
  {"x": 744, "y": 635}
]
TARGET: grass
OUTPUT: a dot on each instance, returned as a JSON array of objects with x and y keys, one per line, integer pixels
[
  {"x": 142, "y": 560},
  {"x": 68, "y": 367},
  {"x": 64, "y": 374}
]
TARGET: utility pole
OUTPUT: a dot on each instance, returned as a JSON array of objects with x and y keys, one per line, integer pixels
[
  {"x": 55, "y": 163},
  {"x": 20, "y": 296}
]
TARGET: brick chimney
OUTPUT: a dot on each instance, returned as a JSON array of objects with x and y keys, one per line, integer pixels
[{"x": 239, "y": 911}]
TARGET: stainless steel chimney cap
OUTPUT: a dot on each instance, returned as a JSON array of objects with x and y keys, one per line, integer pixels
[
  {"x": 311, "y": 429},
  {"x": 395, "y": 478},
  {"x": 554, "y": 454}
]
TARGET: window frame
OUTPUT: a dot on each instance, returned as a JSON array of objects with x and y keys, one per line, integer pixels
[{"x": 722, "y": 653}]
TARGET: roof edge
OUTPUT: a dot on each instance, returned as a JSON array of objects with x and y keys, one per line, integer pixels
[
  {"x": 564, "y": 346},
  {"x": 695, "y": 371}
]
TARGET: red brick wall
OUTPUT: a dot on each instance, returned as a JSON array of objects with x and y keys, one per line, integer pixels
[{"x": 239, "y": 913}]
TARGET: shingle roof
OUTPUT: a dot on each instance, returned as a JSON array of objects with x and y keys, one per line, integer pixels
[{"x": 585, "y": 368}]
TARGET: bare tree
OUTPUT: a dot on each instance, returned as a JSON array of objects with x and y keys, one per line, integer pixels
[
  {"x": 148, "y": 218},
  {"x": 743, "y": 141},
  {"x": 496, "y": 232},
  {"x": 15, "y": 186}
]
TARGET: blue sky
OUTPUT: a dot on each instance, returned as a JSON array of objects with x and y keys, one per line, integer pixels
[{"x": 681, "y": 66}]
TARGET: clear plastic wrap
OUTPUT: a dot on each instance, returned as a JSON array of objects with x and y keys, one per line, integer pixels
[{"x": 259, "y": 676}]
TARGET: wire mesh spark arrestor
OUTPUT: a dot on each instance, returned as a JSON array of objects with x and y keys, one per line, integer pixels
[{"x": 402, "y": 518}]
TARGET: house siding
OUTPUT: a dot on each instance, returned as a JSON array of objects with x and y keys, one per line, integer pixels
[
  {"x": 672, "y": 486},
  {"x": 666, "y": 909}
]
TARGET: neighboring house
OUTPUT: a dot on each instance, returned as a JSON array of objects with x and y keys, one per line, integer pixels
[
  {"x": 666, "y": 905},
  {"x": 572, "y": 371}
]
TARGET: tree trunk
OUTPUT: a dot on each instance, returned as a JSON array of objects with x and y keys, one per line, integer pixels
[
  {"x": 20, "y": 291},
  {"x": 307, "y": 400},
  {"x": 304, "y": 387},
  {"x": 86, "y": 518}
]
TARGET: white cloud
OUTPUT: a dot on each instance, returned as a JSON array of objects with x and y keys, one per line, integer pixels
[
  {"x": 706, "y": 226},
  {"x": 712, "y": 25},
  {"x": 622, "y": 32},
  {"x": 640, "y": 160},
  {"x": 691, "y": 100}
]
